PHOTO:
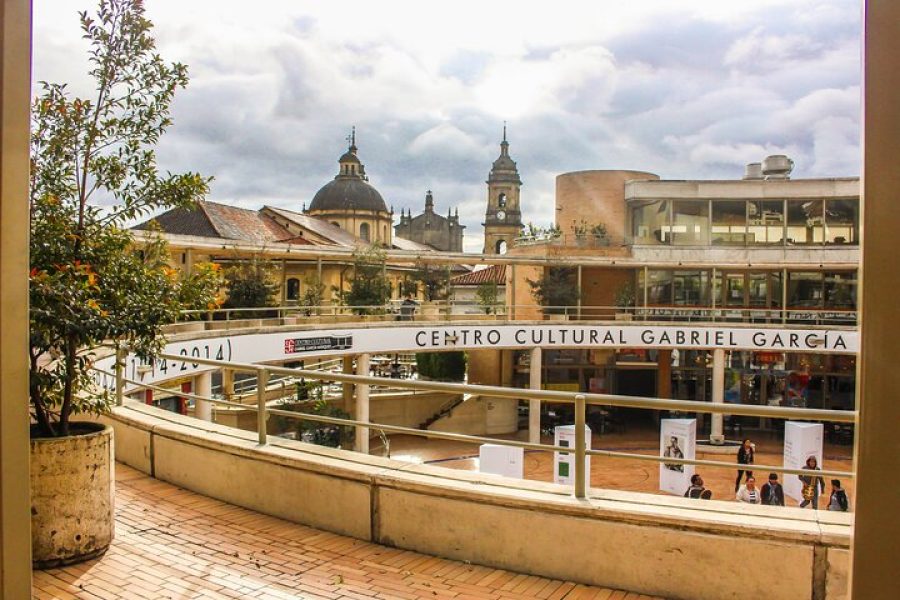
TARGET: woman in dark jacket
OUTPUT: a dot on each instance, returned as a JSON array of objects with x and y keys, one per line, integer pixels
[{"x": 744, "y": 457}]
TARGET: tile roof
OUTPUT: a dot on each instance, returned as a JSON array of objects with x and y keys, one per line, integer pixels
[
  {"x": 405, "y": 244},
  {"x": 320, "y": 227},
  {"x": 494, "y": 273},
  {"x": 211, "y": 219}
]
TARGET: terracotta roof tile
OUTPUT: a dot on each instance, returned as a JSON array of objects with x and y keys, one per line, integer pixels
[{"x": 494, "y": 273}]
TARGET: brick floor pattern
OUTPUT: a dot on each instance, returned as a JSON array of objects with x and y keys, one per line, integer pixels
[{"x": 175, "y": 544}]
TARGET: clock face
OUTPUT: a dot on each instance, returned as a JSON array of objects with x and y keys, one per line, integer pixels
[{"x": 501, "y": 215}]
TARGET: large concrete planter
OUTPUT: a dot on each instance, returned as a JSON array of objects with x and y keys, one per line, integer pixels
[{"x": 72, "y": 496}]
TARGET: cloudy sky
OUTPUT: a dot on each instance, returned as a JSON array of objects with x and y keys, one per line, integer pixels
[{"x": 682, "y": 89}]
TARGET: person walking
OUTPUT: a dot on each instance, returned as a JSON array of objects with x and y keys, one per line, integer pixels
[
  {"x": 772, "y": 493},
  {"x": 744, "y": 457},
  {"x": 749, "y": 493},
  {"x": 838, "y": 500},
  {"x": 811, "y": 484}
]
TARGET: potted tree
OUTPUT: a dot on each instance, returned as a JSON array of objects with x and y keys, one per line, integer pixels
[
  {"x": 557, "y": 291},
  {"x": 370, "y": 289},
  {"x": 93, "y": 171},
  {"x": 625, "y": 302}
]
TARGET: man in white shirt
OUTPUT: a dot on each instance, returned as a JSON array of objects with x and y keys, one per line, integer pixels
[{"x": 748, "y": 492}]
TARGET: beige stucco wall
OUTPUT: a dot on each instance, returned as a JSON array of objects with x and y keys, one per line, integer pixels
[
  {"x": 671, "y": 547},
  {"x": 595, "y": 197}
]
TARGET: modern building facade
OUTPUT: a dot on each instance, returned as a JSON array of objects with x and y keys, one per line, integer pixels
[{"x": 765, "y": 249}]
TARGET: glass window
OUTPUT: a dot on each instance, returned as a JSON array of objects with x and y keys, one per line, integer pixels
[
  {"x": 729, "y": 222},
  {"x": 691, "y": 288},
  {"x": 840, "y": 290},
  {"x": 364, "y": 232},
  {"x": 757, "y": 289},
  {"x": 765, "y": 222},
  {"x": 659, "y": 287},
  {"x": 842, "y": 221},
  {"x": 734, "y": 289},
  {"x": 805, "y": 222},
  {"x": 650, "y": 222},
  {"x": 690, "y": 225},
  {"x": 293, "y": 289},
  {"x": 805, "y": 290}
]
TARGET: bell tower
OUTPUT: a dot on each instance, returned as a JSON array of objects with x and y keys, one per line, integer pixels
[{"x": 503, "y": 218}]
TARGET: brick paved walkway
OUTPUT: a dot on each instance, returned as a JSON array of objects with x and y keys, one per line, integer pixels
[{"x": 172, "y": 543}]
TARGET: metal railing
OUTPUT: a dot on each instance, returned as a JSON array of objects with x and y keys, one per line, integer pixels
[
  {"x": 467, "y": 309},
  {"x": 579, "y": 400}
]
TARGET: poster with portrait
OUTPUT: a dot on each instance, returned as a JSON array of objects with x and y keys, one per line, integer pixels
[
  {"x": 677, "y": 439},
  {"x": 801, "y": 440}
]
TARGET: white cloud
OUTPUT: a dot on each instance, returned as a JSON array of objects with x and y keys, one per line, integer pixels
[{"x": 693, "y": 90}]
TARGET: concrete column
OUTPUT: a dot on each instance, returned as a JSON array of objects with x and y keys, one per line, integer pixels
[
  {"x": 347, "y": 388},
  {"x": 15, "y": 99},
  {"x": 228, "y": 384},
  {"x": 876, "y": 528},
  {"x": 578, "y": 286},
  {"x": 362, "y": 405},
  {"x": 203, "y": 387},
  {"x": 718, "y": 395},
  {"x": 534, "y": 406}
]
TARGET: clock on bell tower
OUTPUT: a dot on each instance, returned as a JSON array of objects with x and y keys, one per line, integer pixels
[{"x": 503, "y": 218}]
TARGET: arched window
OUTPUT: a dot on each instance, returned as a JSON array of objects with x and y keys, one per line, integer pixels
[
  {"x": 364, "y": 231},
  {"x": 501, "y": 247},
  {"x": 293, "y": 289},
  {"x": 501, "y": 200},
  {"x": 336, "y": 224}
]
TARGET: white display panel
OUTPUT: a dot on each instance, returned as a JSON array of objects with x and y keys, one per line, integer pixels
[
  {"x": 801, "y": 440},
  {"x": 677, "y": 439},
  {"x": 502, "y": 460},
  {"x": 564, "y": 462}
]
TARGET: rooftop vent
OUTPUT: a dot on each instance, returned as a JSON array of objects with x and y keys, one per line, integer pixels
[
  {"x": 753, "y": 171},
  {"x": 777, "y": 166}
]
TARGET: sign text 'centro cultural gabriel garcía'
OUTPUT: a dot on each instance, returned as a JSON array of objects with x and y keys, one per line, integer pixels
[{"x": 636, "y": 336}]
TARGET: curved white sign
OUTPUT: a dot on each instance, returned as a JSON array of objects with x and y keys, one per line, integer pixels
[{"x": 297, "y": 345}]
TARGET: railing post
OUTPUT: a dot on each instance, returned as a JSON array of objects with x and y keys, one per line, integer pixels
[
  {"x": 580, "y": 475},
  {"x": 120, "y": 376},
  {"x": 262, "y": 381}
]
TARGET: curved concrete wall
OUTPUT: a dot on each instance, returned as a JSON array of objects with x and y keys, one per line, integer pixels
[
  {"x": 595, "y": 197},
  {"x": 671, "y": 547}
]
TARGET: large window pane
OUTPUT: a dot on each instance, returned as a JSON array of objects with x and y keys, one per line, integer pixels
[
  {"x": 765, "y": 222},
  {"x": 842, "y": 221},
  {"x": 691, "y": 288},
  {"x": 734, "y": 289},
  {"x": 690, "y": 225},
  {"x": 729, "y": 222},
  {"x": 650, "y": 222},
  {"x": 805, "y": 222},
  {"x": 804, "y": 290},
  {"x": 659, "y": 288},
  {"x": 758, "y": 289},
  {"x": 840, "y": 290}
]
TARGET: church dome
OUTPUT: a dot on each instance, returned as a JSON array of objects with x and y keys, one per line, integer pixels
[
  {"x": 350, "y": 189},
  {"x": 347, "y": 194}
]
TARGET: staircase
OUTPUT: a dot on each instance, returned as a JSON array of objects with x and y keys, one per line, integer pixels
[{"x": 446, "y": 410}]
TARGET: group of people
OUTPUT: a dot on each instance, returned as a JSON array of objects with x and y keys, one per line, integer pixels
[{"x": 772, "y": 492}]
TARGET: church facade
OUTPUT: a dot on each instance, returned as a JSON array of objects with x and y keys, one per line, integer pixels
[{"x": 432, "y": 229}]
